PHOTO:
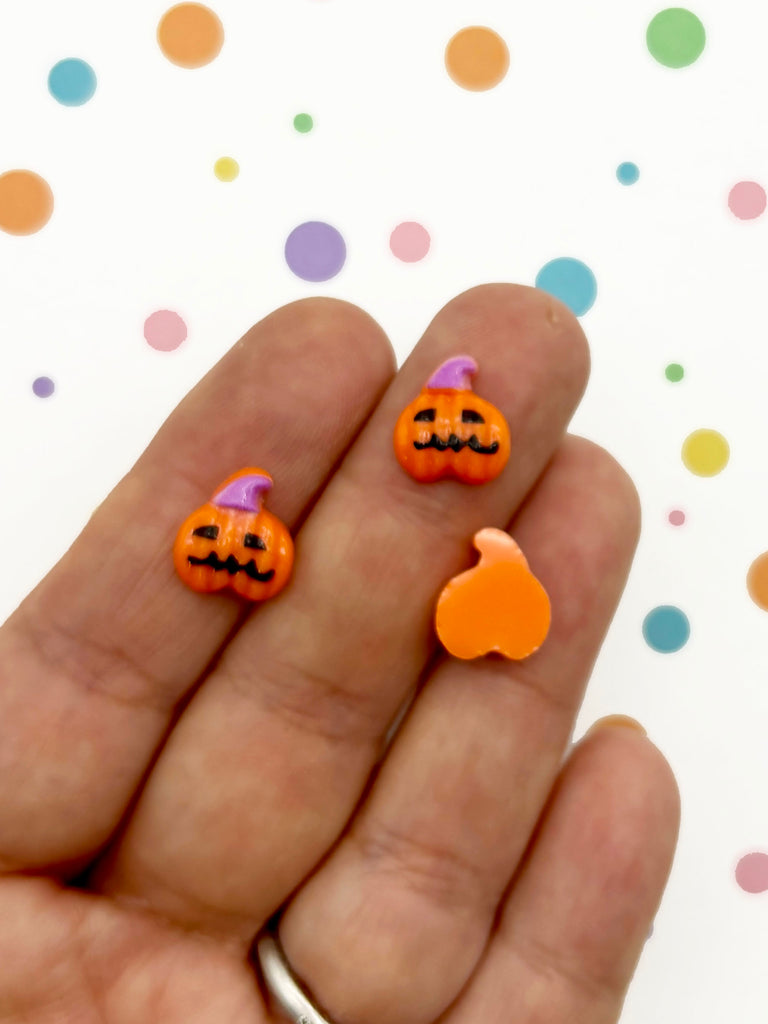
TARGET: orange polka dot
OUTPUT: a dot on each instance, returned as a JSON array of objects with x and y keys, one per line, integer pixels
[
  {"x": 190, "y": 35},
  {"x": 757, "y": 581},
  {"x": 477, "y": 58},
  {"x": 26, "y": 202}
]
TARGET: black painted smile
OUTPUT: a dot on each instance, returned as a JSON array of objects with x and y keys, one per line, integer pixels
[
  {"x": 457, "y": 444},
  {"x": 232, "y": 566}
]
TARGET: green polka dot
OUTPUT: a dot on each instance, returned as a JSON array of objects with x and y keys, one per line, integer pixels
[
  {"x": 303, "y": 123},
  {"x": 674, "y": 372},
  {"x": 676, "y": 37}
]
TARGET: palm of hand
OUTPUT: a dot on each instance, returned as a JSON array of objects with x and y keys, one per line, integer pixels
[{"x": 173, "y": 772}]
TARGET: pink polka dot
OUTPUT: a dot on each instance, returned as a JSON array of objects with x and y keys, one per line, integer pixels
[
  {"x": 677, "y": 517},
  {"x": 410, "y": 241},
  {"x": 752, "y": 872},
  {"x": 747, "y": 200},
  {"x": 165, "y": 330}
]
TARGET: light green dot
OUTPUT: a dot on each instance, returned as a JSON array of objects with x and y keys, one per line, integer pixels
[
  {"x": 676, "y": 37},
  {"x": 674, "y": 372},
  {"x": 303, "y": 123}
]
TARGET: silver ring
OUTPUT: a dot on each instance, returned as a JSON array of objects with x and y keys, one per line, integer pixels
[{"x": 288, "y": 993}]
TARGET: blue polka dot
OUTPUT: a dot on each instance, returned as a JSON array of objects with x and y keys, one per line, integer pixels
[
  {"x": 666, "y": 629},
  {"x": 72, "y": 82},
  {"x": 627, "y": 173},
  {"x": 569, "y": 280}
]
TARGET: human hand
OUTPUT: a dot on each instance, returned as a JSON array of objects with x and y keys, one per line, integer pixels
[{"x": 172, "y": 770}]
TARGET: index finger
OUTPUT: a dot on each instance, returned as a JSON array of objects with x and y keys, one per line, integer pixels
[{"x": 95, "y": 660}]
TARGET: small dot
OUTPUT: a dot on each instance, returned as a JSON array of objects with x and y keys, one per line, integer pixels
[
  {"x": 303, "y": 123},
  {"x": 569, "y": 280},
  {"x": 43, "y": 387},
  {"x": 165, "y": 330},
  {"x": 72, "y": 82},
  {"x": 315, "y": 251},
  {"x": 627, "y": 173},
  {"x": 752, "y": 872},
  {"x": 757, "y": 581},
  {"x": 747, "y": 200},
  {"x": 190, "y": 35},
  {"x": 26, "y": 202},
  {"x": 676, "y": 37},
  {"x": 674, "y": 372},
  {"x": 410, "y": 241},
  {"x": 666, "y": 629},
  {"x": 677, "y": 517},
  {"x": 226, "y": 169},
  {"x": 705, "y": 452},
  {"x": 477, "y": 58}
]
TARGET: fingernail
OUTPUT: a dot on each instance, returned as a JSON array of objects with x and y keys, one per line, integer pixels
[{"x": 620, "y": 720}]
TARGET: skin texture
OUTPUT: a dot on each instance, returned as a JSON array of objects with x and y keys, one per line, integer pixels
[{"x": 174, "y": 767}]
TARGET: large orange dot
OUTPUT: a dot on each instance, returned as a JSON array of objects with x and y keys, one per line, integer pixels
[
  {"x": 190, "y": 35},
  {"x": 757, "y": 581},
  {"x": 477, "y": 58},
  {"x": 26, "y": 202}
]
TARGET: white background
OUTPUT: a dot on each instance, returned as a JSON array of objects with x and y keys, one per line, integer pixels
[{"x": 504, "y": 181}]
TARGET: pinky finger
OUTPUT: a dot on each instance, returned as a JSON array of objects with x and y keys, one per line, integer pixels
[{"x": 579, "y": 910}]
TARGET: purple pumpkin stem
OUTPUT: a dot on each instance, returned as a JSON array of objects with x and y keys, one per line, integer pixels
[
  {"x": 454, "y": 373},
  {"x": 246, "y": 493}
]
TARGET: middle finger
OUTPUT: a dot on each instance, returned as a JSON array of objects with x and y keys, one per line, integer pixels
[{"x": 271, "y": 756}]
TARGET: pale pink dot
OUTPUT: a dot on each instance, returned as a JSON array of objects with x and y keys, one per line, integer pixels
[
  {"x": 752, "y": 872},
  {"x": 410, "y": 241},
  {"x": 747, "y": 200},
  {"x": 677, "y": 517},
  {"x": 165, "y": 330}
]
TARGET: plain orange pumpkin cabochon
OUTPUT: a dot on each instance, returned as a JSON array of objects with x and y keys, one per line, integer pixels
[{"x": 498, "y": 606}]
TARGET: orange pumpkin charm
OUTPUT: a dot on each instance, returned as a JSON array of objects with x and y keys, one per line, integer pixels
[
  {"x": 448, "y": 431},
  {"x": 233, "y": 542},
  {"x": 497, "y": 606}
]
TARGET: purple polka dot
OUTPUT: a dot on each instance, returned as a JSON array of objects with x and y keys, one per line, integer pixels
[
  {"x": 43, "y": 387},
  {"x": 315, "y": 251}
]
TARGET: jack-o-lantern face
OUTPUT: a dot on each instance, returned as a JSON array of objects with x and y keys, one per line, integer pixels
[
  {"x": 233, "y": 542},
  {"x": 448, "y": 431}
]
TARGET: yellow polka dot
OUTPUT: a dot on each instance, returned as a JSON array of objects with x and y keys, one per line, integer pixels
[
  {"x": 26, "y": 202},
  {"x": 705, "y": 452},
  {"x": 226, "y": 169},
  {"x": 757, "y": 581},
  {"x": 477, "y": 58},
  {"x": 190, "y": 35}
]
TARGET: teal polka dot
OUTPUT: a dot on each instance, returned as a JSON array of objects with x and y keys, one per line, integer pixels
[
  {"x": 627, "y": 173},
  {"x": 666, "y": 629},
  {"x": 569, "y": 280},
  {"x": 72, "y": 82}
]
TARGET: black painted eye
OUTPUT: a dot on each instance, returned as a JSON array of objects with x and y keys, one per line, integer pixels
[
  {"x": 252, "y": 540},
  {"x": 470, "y": 416},
  {"x": 209, "y": 532},
  {"x": 425, "y": 416}
]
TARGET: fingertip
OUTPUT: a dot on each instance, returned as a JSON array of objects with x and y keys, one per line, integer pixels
[
  {"x": 323, "y": 324},
  {"x": 518, "y": 311}
]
